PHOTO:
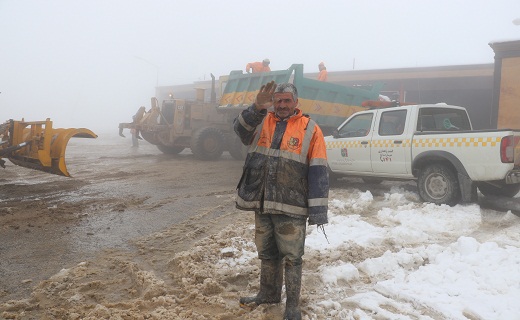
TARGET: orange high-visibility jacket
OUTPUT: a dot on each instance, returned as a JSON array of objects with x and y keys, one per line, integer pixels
[
  {"x": 286, "y": 167},
  {"x": 257, "y": 67},
  {"x": 322, "y": 76}
]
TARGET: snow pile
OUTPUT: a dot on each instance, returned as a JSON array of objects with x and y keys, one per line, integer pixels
[
  {"x": 467, "y": 277},
  {"x": 428, "y": 269}
]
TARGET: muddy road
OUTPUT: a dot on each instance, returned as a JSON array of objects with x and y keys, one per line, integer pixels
[{"x": 118, "y": 194}]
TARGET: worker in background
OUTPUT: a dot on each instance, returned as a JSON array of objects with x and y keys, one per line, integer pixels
[
  {"x": 134, "y": 133},
  {"x": 135, "y": 140},
  {"x": 322, "y": 76},
  {"x": 258, "y": 66}
]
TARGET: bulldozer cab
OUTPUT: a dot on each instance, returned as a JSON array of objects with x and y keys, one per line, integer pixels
[{"x": 176, "y": 114}]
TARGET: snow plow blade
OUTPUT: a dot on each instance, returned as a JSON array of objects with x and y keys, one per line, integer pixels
[{"x": 36, "y": 145}]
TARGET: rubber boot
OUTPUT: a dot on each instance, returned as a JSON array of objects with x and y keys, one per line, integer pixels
[
  {"x": 271, "y": 280},
  {"x": 293, "y": 283}
]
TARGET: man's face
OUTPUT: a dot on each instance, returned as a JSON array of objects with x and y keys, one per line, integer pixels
[{"x": 284, "y": 104}]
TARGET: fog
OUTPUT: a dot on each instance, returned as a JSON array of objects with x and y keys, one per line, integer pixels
[{"x": 93, "y": 63}]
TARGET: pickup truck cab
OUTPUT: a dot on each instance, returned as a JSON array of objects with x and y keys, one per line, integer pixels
[{"x": 433, "y": 144}]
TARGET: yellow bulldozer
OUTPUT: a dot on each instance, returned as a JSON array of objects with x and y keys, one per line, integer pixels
[{"x": 37, "y": 145}]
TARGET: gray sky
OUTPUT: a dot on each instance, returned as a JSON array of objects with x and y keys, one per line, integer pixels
[{"x": 93, "y": 63}]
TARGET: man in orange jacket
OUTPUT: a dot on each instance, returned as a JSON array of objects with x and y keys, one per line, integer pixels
[
  {"x": 258, "y": 66},
  {"x": 285, "y": 182},
  {"x": 322, "y": 76}
]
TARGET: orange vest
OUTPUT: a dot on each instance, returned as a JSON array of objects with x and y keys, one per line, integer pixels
[
  {"x": 293, "y": 140},
  {"x": 257, "y": 67},
  {"x": 291, "y": 179},
  {"x": 322, "y": 76}
]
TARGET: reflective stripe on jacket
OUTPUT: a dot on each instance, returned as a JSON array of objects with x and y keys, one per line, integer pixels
[{"x": 286, "y": 167}]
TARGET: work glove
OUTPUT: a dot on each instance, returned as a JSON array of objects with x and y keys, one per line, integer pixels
[{"x": 264, "y": 98}]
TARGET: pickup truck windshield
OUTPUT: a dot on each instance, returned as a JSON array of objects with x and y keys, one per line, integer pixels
[
  {"x": 358, "y": 126},
  {"x": 443, "y": 119}
]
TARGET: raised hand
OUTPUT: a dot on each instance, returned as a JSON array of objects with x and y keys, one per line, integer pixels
[{"x": 264, "y": 98}]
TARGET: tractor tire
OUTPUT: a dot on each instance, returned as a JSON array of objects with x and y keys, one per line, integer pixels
[
  {"x": 237, "y": 149},
  {"x": 505, "y": 190},
  {"x": 207, "y": 143},
  {"x": 438, "y": 183},
  {"x": 170, "y": 150}
]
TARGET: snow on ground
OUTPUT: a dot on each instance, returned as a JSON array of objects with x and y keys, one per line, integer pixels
[
  {"x": 388, "y": 256},
  {"x": 408, "y": 260}
]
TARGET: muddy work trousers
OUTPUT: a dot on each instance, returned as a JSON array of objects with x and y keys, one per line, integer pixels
[{"x": 278, "y": 236}]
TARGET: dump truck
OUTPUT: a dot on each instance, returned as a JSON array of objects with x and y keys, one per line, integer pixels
[
  {"x": 207, "y": 127},
  {"x": 37, "y": 145}
]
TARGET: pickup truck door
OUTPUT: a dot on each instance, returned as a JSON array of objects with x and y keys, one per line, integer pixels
[
  {"x": 349, "y": 148},
  {"x": 390, "y": 145}
]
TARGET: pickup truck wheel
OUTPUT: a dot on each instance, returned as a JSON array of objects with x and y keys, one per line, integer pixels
[
  {"x": 505, "y": 190},
  {"x": 437, "y": 183},
  {"x": 170, "y": 150},
  {"x": 207, "y": 143}
]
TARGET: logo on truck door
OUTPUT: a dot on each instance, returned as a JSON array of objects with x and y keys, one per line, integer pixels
[
  {"x": 344, "y": 152},
  {"x": 386, "y": 155}
]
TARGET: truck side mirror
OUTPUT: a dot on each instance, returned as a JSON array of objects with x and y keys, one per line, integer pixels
[{"x": 335, "y": 133}]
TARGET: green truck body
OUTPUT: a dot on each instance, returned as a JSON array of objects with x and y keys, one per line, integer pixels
[{"x": 328, "y": 104}]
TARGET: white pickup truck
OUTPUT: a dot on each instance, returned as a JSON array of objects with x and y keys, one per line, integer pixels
[{"x": 433, "y": 144}]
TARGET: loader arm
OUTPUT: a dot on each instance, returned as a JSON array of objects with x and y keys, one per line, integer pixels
[{"x": 36, "y": 145}]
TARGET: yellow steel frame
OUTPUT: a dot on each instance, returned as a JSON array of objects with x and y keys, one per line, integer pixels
[{"x": 45, "y": 149}]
